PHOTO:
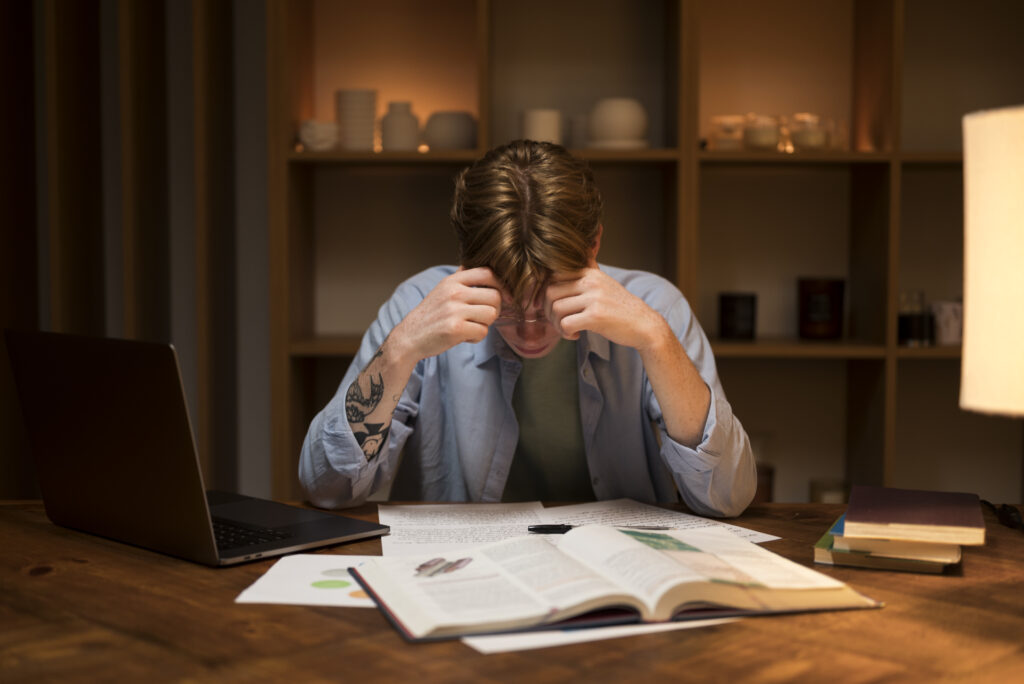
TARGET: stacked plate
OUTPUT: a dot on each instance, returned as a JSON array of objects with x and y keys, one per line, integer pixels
[{"x": 356, "y": 112}]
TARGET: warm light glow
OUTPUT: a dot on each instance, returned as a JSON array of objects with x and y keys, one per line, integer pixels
[{"x": 992, "y": 372}]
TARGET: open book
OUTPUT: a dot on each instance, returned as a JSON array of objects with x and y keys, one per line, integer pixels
[{"x": 599, "y": 574}]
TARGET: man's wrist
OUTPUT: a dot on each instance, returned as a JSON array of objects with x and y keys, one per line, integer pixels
[
  {"x": 397, "y": 351},
  {"x": 659, "y": 337}
]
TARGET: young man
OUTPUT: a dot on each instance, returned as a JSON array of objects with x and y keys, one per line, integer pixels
[{"x": 531, "y": 372}]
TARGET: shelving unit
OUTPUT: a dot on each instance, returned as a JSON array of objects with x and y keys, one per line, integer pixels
[{"x": 347, "y": 227}]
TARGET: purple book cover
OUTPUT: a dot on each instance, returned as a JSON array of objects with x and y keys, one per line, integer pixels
[{"x": 888, "y": 505}]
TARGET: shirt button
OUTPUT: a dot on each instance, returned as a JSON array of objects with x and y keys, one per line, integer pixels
[{"x": 595, "y": 481}]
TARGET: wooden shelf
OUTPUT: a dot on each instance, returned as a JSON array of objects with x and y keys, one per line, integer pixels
[
  {"x": 941, "y": 158},
  {"x": 796, "y": 349},
  {"x": 944, "y": 352},
  {"x": 628, "y": 156},
  {"x": 823, "y": 157},
  {"x": 338, "y": 346},
  {"x": 466, "y": 156},
  {"x": 343, "y": 157}
]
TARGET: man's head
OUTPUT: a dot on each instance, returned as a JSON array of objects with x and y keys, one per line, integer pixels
[{"x": 527, "y": 210}]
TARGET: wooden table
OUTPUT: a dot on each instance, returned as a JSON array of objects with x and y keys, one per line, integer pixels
[{"x": 76, "y": 607}]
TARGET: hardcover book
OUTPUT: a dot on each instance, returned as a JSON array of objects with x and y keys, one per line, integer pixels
[
  {"x": 828, "y": 553},
  {"x": 915, "y": 515},
  {"x": 595, "y": 575},
  {"x": 934, "y": 552}
]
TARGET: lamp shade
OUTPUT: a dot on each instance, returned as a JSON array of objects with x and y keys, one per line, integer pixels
[{"x": 992, "y": 369}]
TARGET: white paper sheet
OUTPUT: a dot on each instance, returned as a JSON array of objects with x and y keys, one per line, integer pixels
[
  {"x": 448, "y": 528},
  {"x": 626, "y": 513},
  {"x": 309, "y": 580},
  {"x": 503, "y": 643}
]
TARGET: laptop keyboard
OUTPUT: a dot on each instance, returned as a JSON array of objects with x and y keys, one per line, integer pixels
[{"x": 231, "y": 534}]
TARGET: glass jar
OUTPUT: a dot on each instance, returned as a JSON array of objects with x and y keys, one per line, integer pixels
[
  {"x": 808, "y": 132},
  {"x": 915, "y": 323},
  {"x": 726, "y": 132},
  {"x": 761, "y": 132}
]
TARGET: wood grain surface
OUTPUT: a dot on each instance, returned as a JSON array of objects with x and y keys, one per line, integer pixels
[{"x": 80, "y": 608}]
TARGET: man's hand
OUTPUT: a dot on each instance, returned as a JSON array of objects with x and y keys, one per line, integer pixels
[
  {"x": 459, "y": 309},
  {"x": 592, "y": 300}
]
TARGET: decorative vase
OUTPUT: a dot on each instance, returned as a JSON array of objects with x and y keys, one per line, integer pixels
[{"x": 399, "y": 128}]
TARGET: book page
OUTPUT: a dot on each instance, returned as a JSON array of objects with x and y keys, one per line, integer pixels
[
  {"x": 561, "y": 580},
  {"x": 446, "y": 528},
  {"x": 644, "y": 570},
  {"x": 496, "y": 586},
  {"x": 760, "y": 565},
  {"x": 464, "y": 590},
  {"x": 626, "y": 513},
  {"x": 651, "y": 563}
]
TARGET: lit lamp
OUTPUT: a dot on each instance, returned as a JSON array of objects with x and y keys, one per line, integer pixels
[{"x": 992, "y": 369}]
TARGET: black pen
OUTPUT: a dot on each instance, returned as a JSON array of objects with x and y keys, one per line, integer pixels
[
  {"x": 549, "y": 529},
  {"x": 562, "y": 529}
]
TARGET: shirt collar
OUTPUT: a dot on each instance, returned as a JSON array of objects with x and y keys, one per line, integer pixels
[{"x": 494, "y": 345}]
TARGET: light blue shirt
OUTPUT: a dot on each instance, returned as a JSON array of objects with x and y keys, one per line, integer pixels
[{"x": 454, "y": 431}]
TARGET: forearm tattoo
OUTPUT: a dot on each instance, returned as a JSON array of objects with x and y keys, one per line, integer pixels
[
  {"x": 372, "y": 441},
  {"x": 357, "y": 405},
  {"x": 374, "y": 436}
]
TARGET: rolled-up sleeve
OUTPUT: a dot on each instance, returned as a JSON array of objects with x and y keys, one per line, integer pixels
[
  {"x": 333, "y": 470},
  {"x": 719, "y": 476}
]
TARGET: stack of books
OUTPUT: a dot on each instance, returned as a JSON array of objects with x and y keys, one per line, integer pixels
[{"x": 903, "y": 529}]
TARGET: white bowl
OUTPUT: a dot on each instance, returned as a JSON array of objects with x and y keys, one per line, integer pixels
[
  {"x": 450, "y": 131},
  {"x": 317, "y": 136}
]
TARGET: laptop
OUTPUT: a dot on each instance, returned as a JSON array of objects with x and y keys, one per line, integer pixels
[{"x": 115, "y": 456}]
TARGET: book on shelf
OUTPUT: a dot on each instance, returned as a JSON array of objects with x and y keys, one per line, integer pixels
[
  {"x": 595, "y": 575},
  {"x": 833, "y": 548},
  {"x": 914, "y": 515}
]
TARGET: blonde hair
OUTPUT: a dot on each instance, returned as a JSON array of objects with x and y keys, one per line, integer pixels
[{"x": 526, "y": 210}]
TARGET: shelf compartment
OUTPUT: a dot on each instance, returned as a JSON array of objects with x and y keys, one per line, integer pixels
[
  {"x": 833, "y": 59},
  {"x": 931, "y": 236},
  {"x": 639, "y": 215},
  {"x": 958, "y": 57},
  {"x": 567, "y": 55},
  {"x": 355, "y": 44},
  {"x": 371, "y": 227},
  {"x": 792, "y": 222},
  {"x": 799, "y": 427}
]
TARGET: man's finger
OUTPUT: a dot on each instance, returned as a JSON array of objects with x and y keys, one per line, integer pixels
[{"x": 478, "y": 277}]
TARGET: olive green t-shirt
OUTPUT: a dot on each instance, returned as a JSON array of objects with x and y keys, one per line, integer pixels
[{"x": 550, "y": 463}]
